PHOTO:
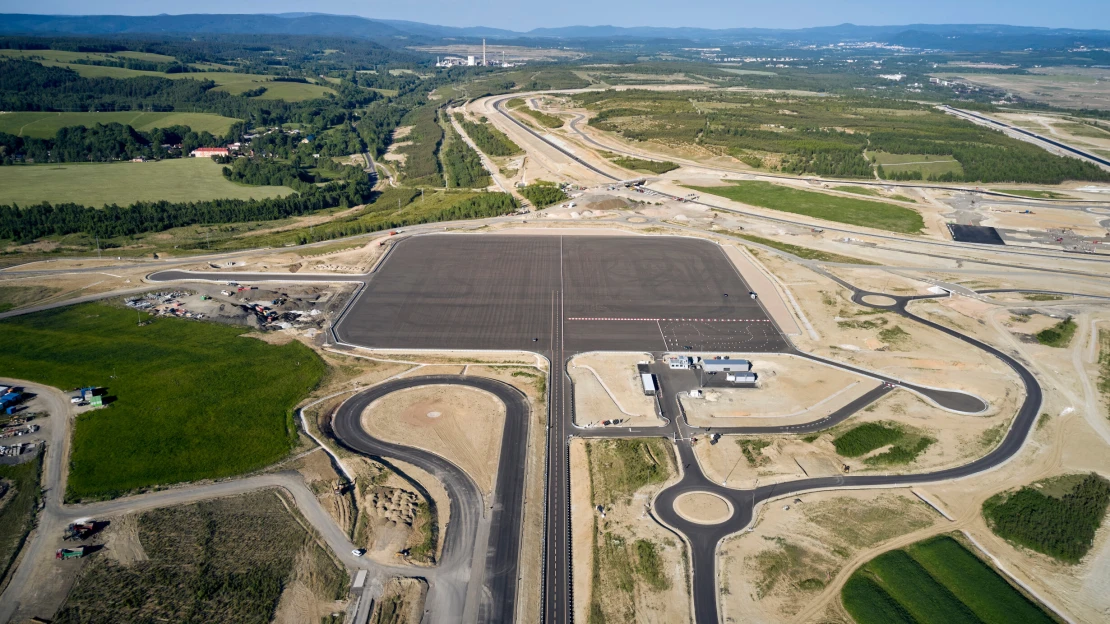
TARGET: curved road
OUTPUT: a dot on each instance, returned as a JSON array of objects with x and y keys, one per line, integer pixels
[{"x": 499, "y": 576}]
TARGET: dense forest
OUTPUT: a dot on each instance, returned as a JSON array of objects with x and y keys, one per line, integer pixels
[
  {"x": 488, "y": 139},
  {"x": 462, "y": 165},
  {"x": 1063, "y": 527},
  {"x": 421, "y": 162},
  {"x": 107, "y": 142}
]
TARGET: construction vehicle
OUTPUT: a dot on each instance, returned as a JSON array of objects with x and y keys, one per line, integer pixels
[
  {"x": 70, "y": 553},
  {"x": 79, "y": 530}
]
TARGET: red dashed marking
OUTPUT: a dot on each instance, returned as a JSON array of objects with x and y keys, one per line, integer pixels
[{"x": 656, "y": 320}]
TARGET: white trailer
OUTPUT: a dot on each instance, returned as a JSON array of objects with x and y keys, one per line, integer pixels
[{"x": 648, "y": 381}]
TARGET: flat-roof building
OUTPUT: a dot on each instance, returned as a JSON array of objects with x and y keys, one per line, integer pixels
[
  {"x": 679, "y": 362},
  {"x": 725, "y": 365}
]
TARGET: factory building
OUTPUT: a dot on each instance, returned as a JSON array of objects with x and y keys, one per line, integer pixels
[
  {"x": 725, "y": 365},
  {"x": 679, "y": 362}
]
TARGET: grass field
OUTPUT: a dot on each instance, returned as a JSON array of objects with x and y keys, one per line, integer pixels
[
  {"x": 647, "y": 166},
  {"x": 227, "y": 560},
  {"x": 905, "y": 445},
  {"x": 863, "y": 212},
  {"x": 1034, "y": 194},
  {"x": 548, "y": 121},
  {"x": 1059, "y": 335},
  {"x": 935, "y": 581},
  {"x": 863, "y": 190},
  {"x": 925, "y": 163},
  {"x": 97, "y": 184},
  {"x": 192, "y": 400},
  {"x": 45, "y": 125},
  {"x": 18, "y": 509}
]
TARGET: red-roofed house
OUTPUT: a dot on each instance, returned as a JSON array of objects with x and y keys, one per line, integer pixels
[{"x": 207, "y": 152}]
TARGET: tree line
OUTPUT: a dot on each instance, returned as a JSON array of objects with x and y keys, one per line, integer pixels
[
  {"x": 107, "y": 142},
  {"x": 488, "y": 139},
  {"x": 462, "y": 165},
  {"x": 45, "y": 219}
]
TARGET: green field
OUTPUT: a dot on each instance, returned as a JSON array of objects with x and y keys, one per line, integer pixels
[
  {"x": 97, "y": 184},
  {"x": 549, "y": 121},
  {"x": 905, "y": 445},
  {"x": 190, "y": 400},
  {"x": 925, "y": 163},
  {"x": 1059, "y": 335},
  {"x": 647, "y": 166},
  {"x": 862, "y": 212},
  {"x": 935, "y": 581},
  {"x": 870, "y": 192},
  {"x": 46, "y": 125}
]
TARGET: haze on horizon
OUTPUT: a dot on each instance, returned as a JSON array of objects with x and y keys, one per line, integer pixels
[{"x": 523, "y": 16}]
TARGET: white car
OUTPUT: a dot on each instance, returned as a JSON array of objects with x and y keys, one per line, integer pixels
[{"x": 358, "y": 552}]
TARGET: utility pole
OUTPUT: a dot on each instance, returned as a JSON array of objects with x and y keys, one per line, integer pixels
[{"x": 98, "y": 247}]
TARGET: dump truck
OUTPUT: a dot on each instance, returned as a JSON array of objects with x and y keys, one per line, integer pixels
[
  {"x": 70, "y": 553},
  {"x": 79, "y": 530}
]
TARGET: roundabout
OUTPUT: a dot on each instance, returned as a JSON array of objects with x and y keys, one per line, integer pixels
[{"x": 703, "y": 508}]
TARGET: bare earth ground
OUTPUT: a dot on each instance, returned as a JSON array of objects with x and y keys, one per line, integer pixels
[
  {"x": 402, "y": 602},
  {"x": 626, "y": 520},
  {"x": 607, "y": 387},
  {"x": 771, "y": 572},
  {"x": 790, "y": 389},
  {"x": 458, "y": 423}
]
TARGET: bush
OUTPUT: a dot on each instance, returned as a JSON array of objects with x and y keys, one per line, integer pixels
[
  {"x": 1059, "y": 335},
  {"x": 865, "y": 438},
  {"x": 1062, "y": 527},
  {"x": 542, "y": 194}
]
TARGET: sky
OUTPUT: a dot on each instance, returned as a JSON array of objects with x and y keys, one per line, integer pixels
[{"x": 528, "y": 14}]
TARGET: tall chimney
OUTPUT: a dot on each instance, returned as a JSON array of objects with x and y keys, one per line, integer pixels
[{"x": 484, "y": 53}]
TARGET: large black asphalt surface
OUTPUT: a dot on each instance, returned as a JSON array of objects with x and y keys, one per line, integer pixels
[{"x": 560, "y": 295}]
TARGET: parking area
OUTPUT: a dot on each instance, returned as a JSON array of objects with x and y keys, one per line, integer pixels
[{"x": 609, "y": 293}]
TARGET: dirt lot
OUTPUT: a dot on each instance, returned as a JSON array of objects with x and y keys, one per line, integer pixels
[
  {"x": 640, "y": 572},
  {"x": 402, "y": 602},
  {"x": 772, "y": 572},
  {"x": 742, "y": 461},
  {"x": 461, "y": 424},
  {"x": 607, "y": 387},
  {"x": 790, "y": 389}
]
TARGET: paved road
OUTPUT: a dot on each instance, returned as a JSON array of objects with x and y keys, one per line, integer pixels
[
  {"x": 498, "y": 577},
  {"x": 1053, "y": 142}
]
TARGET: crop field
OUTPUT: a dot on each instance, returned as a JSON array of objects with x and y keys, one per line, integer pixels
[
  {"x": 226, "y": 560},
  {"x": 863, "y": 212},
  {"x": 620, "y": 467},
  {"x": 45, "y": 125},
  {"x": 826, "y": 136},
  {"x": 99, "y": 184},
  {"x": 935, "y": 581},
  {"x": 18, "y": 508},
  {"x": 188, "y": 400}
]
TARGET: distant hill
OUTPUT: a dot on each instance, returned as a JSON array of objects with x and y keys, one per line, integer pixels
[{"x": 936, "y": 36}]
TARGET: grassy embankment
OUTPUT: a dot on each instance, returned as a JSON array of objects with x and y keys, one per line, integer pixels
[
  {"x": 937, "y": 581},
  {"x": 860, "y": 212},
  {"x": 904, "y": 444},
  {"x": 870, "y": 192},
  {"x": 12, "y": 297},
  {"x": 645, "y": 166},
  {"x": 225, "y": 560},
  {"x": 805, "y": 253},
  {"x": 190, "y": 400},
  {"x": 1059, "y": 335},
  {"x": 1058, "y": 517},
  {"x": 123, "y": 183},
  {"x": 18, "y": 509},
  {"x": 623, "y": 567},
  {"x": 1034, "y": 194},
  {"x": 46, "y": 125},
  {"x": 548, "y": 121}
]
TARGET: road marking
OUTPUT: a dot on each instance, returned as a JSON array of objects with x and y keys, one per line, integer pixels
[{"x": 665, "y": 320}]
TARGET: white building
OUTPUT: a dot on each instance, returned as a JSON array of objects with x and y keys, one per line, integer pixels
[{"x": 725, "y": 365}]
